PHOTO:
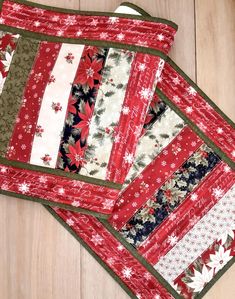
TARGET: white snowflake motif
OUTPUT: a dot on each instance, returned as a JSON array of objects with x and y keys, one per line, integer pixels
[
  {"x": 24, "y": 188},
  {"x": 163, "y": 163},
  {"x": 172, "y": 240},
  {"x": 134, "y": 204},
  {"x": 94, "y": 22},
  {"x": 23, "y": 147},
  {"x": 202, "y": 126},
  {"x": 194, "y": 197},
  {"x": 108, "y": 204},
  {"x": 70, "y": 20},
  {"x": 37, "y": 23},
  {"x": 157, "y": 297},
  {"x": 60, "y": 32},
  {"x": 136, "y": 195},
  {"x": 227, "y": 168},
  {"x": 104, "y": 35},
  {"x": 146, "y": 94},
  {"x": 117, "y": 139},
  {"x": 128, "y": 158},
  {"x": 55, "y": 18},
  {"x": 217, "y": 192},
  {"x": 172, "y": 217},
  {"x": 127, "y": 272},
  {"x": 142, "y": 43},
  {"x": 160, "y": 37},
  {"x": 70, "y": 222},
  {"x": 142, "y": 67},
  {"x": 120, "y": 248},
  {"x": 3, "y": 169},
  {"x": 120, "y": 36},
  {"x": 113, "y": 20},
  {"x": 61, "y": 191},
  {"x": 172, "y": 165},
  {"x": 125, "y": 110},
  {"x": 176, "y": 80},
  {"x": 191, "y": 91},
  {"x": 115, "y": 216},
  {"x": 96, "y": 239},
  {"x": 189, "y": 110},
  {"x": 176, "y": 99},
  {"x": 219, "y": 130},
  {"x": 16, "y": 7},
  {"x": 42, "y": 179},
  {"x": 79, "y": 33},
  {"x": 75, "y": 203}
]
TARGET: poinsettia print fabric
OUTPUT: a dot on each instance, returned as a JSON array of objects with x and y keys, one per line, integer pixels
[
  {"x": 170, "y": 195},
  {"x": 192, "y": 281},
  {"x": 80, "y": 110},
  {"x": 107, "y": 110},
  {"x": 217, "y": 222},
  {"x": 7, "y": 47}
]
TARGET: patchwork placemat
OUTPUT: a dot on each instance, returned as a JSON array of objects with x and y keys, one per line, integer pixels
[
  {"x": 75, "y": 100},
  {"x": 171, "y": 234}
]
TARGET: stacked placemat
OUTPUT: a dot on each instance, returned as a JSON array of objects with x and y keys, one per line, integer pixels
[{"x": 100, "y": 126}]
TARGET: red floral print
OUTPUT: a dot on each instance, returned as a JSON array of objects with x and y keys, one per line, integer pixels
[
  {"x": 89, "y": 71},
  {"x": 76, "y": 154},
  {"x": 46, "y": 159},
  {"x": 56, "y": 107},
  {"x": 69, "y": 57},
  {"x": 39, "y": 131},
  {"x": 85, "y": 120}
]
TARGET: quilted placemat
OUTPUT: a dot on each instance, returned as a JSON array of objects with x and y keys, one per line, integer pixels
[
  {"x": 74, "y": 101},
  {"x": 172, "y": 230}
]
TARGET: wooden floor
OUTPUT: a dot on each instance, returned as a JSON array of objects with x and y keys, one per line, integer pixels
[{"x": 39, "y": 258}]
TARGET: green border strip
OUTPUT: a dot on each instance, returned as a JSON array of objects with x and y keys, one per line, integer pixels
[
  {"x": 145, "y": 17},
  {"x": 195, "y": 128},
  {"x": 60, "y": 173},
  {"x": 92, "y": 253},
  {"x": 54, "y": 204}
]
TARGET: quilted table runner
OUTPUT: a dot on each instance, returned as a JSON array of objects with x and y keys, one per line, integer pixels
[{"x": 96, "y": 119}]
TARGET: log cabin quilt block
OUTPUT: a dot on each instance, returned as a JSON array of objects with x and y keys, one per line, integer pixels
[{"x": 171, "y": 231}]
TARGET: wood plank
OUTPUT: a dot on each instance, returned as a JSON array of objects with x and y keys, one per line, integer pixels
[{"x": 215, "y": 48}]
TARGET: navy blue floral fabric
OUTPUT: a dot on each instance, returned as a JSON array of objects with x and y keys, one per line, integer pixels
[{"x": 170, "y": 195}]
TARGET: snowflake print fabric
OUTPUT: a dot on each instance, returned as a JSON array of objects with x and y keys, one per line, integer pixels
[{"x": 119, "y": 145}]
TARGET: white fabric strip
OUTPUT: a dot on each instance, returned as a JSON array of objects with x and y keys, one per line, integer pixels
[
  {"x": 54, "y": 104},
  {"x": 151, "y": 144},
  {"x": 215, "y": 223}
]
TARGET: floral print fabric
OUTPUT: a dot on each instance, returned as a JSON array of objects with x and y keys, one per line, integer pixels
[
  {"x": 170, "y": 195},
  {"x": 80, "y": 110}
]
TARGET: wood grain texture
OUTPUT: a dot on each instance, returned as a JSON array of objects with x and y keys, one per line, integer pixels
[{"x": 39, "y": 258}]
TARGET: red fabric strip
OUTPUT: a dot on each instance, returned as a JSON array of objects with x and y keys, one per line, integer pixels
[
  {"x": 193, "y": 208},
  {"x": 154, "y": 176},
  {"x": 138, "y": 95},
  {"x": 141, "y": 282},
  {"x": 25, "y": 127},
  {"x": 194, "y": 106},
  {"x": 58, "y": 189},
  {"x": 123, "y": 30}
]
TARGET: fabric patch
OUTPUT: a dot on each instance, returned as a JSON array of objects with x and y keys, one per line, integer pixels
[
  {"x": 216, "y": 222},
  {"x": 80, "y": 110},
  {"x": 54, "y": 105},
  {"x": 170, "y": 195},
  {"x": 22, "y": 138},
  {"x": 13, "y": 89}
]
